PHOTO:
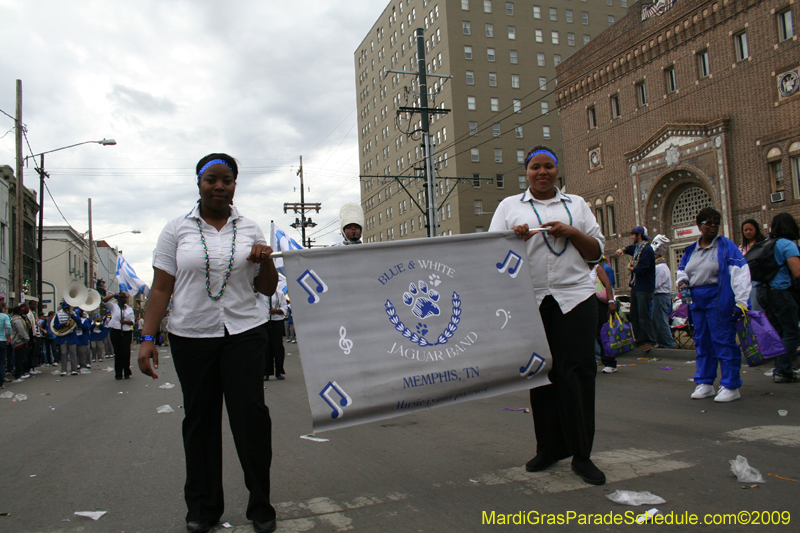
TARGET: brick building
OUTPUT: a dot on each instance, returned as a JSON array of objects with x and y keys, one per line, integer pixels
[
  {"x": 673, "y": 109},
  {"x": 502, "y": 56}
]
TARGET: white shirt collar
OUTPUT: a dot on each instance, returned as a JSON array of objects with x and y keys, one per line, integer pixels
[
  {"x": 527, "y": 197},
  {"x": 195, "y": 213}
]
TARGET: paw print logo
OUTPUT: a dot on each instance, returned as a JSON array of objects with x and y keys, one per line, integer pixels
[
  {"x": 422, "y": 329},
  {"x": 422, "y": 300},
  {"x": 434, "y": 279}
]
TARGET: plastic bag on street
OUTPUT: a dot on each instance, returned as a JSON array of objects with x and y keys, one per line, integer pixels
[
  {"x": 7, "y": 394},
  {"x": 744, "y": 472},
  {"x": 167, "y": 385},
  {"x": 21, "y": 397},
  {"x": 165, "y": 409},
  {"x": 630, "y": 497}
]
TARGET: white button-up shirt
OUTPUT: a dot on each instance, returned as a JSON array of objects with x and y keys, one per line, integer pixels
[
  {"x": 179, "y": 253},
  {"x": 565, "y": 277},
  {"x": 118, "y": 314}
]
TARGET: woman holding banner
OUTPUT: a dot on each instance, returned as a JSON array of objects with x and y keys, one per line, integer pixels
[
  {"x": 207, "y": 263},
  {"x": 562, "y": 237}
]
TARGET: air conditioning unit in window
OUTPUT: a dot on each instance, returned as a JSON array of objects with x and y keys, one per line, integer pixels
[{"x": 779, "y": 196}]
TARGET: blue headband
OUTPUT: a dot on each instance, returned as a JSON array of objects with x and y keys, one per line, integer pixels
[
  {"x": 212, "y": 162},
  {"x": 537, "y": 152}
]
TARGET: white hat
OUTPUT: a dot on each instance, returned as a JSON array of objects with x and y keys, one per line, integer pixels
[
  {"x": 351, "y": 213},
  {"x": 660, "y": 244}
]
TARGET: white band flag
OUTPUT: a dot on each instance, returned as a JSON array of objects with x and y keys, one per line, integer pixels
[
  {"x": 392, "y": 328},
  {"x": 128, "y": 280},
  {"x": 280, "y": 242}
]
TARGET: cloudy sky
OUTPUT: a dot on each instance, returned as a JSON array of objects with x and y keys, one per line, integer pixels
[{"x": 263, "y": 80}]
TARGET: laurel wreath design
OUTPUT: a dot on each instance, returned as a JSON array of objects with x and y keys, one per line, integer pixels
[{"x": 446, "y": 335}]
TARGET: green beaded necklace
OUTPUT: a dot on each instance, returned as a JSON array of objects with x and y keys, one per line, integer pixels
[
  {"x": 543, "y": 233},
  {"x": 208, "y": 263}
]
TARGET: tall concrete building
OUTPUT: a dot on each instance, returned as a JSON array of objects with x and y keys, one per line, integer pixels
[{"x": 502, "y": 57}]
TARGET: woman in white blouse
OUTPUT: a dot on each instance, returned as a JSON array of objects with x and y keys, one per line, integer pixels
[
  {"x": 563, "y": 412},
  {"x": 208, "y": 262}
]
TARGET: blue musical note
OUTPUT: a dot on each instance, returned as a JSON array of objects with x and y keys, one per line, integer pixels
[
  {"x": 512, "y": 270},
  {"x": 321, "y": 287},
  {"x": 534, "y": 366},
  {"x": 344, "y": 402}
]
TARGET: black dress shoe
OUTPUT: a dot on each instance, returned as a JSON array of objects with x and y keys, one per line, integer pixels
[
  {"x": 198, "y": 526},
  {"x": 539, "y": 463},
  {"x": 587, "y": 471},
  {"x": 264, "y": 527},
  {"x": 279, "y": 377}
]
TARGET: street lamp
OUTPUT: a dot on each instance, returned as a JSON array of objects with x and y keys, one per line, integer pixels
[
  {"x": 20, "y": 206},
  {"x": 134, "y": 231}
]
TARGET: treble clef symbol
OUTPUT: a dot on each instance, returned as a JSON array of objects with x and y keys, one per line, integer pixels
[{"x": 344, "y": 343}]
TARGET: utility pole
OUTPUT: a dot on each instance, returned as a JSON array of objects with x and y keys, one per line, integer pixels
[
  {"x": 40, "y": 236},
  {"x": 20, "y": 211},
  {"x": 427, "y": 148},
  {"x": 301, "y": 208},
  {"x": 90, "y": 281}
]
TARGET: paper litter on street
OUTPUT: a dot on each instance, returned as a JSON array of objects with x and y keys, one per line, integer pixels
[{"x": 94, "y": 515}]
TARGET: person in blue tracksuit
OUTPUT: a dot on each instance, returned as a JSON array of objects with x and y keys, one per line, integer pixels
[
  {"x": 97, "y": 337},
  {"x": 70, "y": 340},
  {"x": 719, "y": 278},
  {"x": 82, "y": 334}
]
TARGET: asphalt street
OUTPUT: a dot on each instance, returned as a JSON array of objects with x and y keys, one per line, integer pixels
[{"x": 88, "y": 442}]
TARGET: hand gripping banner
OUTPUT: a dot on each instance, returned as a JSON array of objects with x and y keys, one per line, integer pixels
[{"x": 393, "y": 328}]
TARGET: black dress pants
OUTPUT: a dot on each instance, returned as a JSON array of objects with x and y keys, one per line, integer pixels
[
  {"x": 121, "y": 341},
  {"x": 563, "y": 412},
  {"x": 210, "y": 369},
  {"x": 275, "y": 354}
]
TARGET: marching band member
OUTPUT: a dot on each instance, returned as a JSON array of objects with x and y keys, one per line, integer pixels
[
  {"x": 97, "y": 337},
  {"x": 122, "y": 318},
  {"x": 60, "y": 321}
]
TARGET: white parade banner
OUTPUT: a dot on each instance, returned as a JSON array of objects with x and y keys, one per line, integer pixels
[{"x": 388, "y": 329}]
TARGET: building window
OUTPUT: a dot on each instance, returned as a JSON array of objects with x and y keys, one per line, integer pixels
[
  {"x": 641, "y": 94},
  {"x": 540, "y": 59},
  {"x": 492, "y": 79},
  {"x": 517, "y": 106},
  {"x": 523, "y": 182},
  {"x": 546, "y": 132},
  {"x": 490, "y": 55},
  {"x": 471, "y": 105},
  {"x": 512, "y": 55},
  {"x": 470, "y": 77},
  {"x": 545, "y": 107},
  {"x": 568, "y": 16},
  {"x": 476, "y": 181},
  {"x": 571, "y": 39},
  {"x": 475, "y": 154},
  {"x": 510, "y": 9},
  {"x": 448, "y": 212},
  {"x": 487, "y": 6},
  {"x": 623, "y": 3},
  {"x": 554, "y": 36},
  {"x": 537, "y": 12},
  {"x": 794, "y": 166},
  {"x": 479, "y": 229},
  {"x": 499, "y": 180},
  {"x": 490, "y": 30},
  {"x": 612, "y": 220},
  {"x": 703, "y": 64},
  {"x": 515, "y": 81},
  {"x": 557, "y": 57},
  {"x": 494, "y": 104},
  {"x": 496, "y": 130},
  {"x": 478, "y": 208},
  {"x": 542, "y": 83},
  {"x": 785, "y": 24},
  {"x": 586, "y": 39},
  {"x": 512, "y": 33},
  {"x": 520, "y": 156},
  {"x": 776, "y": 176},
  {"x": 467, "y": 52},
  {"x": 584, "y": 18},
  {"x": 742, "y": 48},
  {"x": 598, "y": 214},
  {"x": 553, "y": 14},
  {"x": 670, "y": 80},
  {"x": 518, "y": 131},
  {"x": 610, "y": 20},
  {"x": 473, "y": 128},
  {"x": 467, "y": 27},
  {"x": 498, "y": 155},
  {"x": 539, "y": 36},
  {"x": 615, "y": 109}
]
